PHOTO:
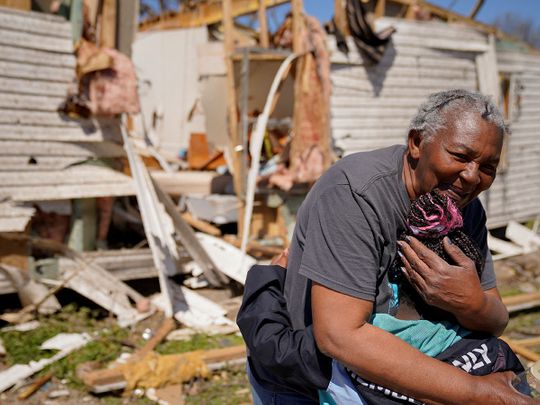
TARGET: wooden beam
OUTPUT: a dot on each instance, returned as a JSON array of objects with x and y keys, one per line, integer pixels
[
  {"x": 522, "y": 351},
  {"x": 204, "y": 14},
  {"x": 190, "y": 242},
  {"x": 340, "y": 17},
  {"x": 107, "y": 35},
  {"x": 264, "y": 41},
  {"x": 476, "y": 8},
  {"x": 297, "y": 6},
  {"x": 447, "y": 15},
  {"x": 201, "y": 225},
  {"x": 235, "y": 141},
  {"x": 522, "y": 301},
  {"x": 100, "y": 380},
  {"x": 380, "y": 8},
  {"x": 535, "y": 341}
]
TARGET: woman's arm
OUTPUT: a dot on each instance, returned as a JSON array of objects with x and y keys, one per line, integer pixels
[{"x": 342, "y": 332}]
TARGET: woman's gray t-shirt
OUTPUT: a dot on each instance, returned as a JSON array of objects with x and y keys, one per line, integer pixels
[{"x": 346, "y": 232}]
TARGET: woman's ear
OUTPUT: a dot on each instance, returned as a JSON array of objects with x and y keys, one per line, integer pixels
[{"x": 414, "y": 140}]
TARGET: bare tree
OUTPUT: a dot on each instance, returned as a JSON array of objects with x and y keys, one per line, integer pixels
[{"x": 520, "y": 27}]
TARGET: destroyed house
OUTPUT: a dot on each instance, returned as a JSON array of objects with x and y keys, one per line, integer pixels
[{"x": 372, "y": 103}]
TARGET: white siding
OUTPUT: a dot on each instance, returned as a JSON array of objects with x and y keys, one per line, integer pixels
[
  {"x": 37, "y": 66},
  {"x": 515, "y": 195},
  {"x": 371, "y": 106}
]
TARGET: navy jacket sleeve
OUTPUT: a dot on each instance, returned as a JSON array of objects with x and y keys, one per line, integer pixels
[{"x": 281, "y": 359}]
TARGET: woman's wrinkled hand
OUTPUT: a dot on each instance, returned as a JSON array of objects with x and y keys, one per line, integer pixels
[{"x": 438, "y": 283}]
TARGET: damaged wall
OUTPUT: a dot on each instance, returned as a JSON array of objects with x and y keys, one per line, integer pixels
[
  {"x": 39, "y": 147},
  {"x": 371, "y": 106},
  {"x": 515, "y": 194},
  {"x": 167, "y": 66}
]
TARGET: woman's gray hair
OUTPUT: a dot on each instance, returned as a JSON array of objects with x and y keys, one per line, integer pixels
[{"x": 429, "y": 120}]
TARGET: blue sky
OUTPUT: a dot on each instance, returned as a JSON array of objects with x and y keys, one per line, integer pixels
[{"x": 323, "y": 9}]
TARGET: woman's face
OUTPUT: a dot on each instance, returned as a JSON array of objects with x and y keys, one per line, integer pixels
[{"x": 461, "y": 160}]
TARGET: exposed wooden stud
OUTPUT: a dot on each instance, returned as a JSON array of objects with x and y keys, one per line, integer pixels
[
  {"x": 521, "y": 350},
  {"x": 201, "y": 225},
  {"x": 380, "y": 8},
  {"x": 235, "y": 142},
  {"x": 297, "y": 7},
  {"x": 205, "y": 13},
  {"x": 522, "y": 301},
  {"x": 264, "y": 41},
  {"x": 340, "y": 17},
  {"x": 476, "y": 8},
  {"x": 107, "y": 35}
]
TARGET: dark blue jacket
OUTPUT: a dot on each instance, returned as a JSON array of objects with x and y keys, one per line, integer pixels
[{"x": 281, "y": 359}]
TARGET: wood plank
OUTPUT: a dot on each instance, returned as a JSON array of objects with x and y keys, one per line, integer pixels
[
  {"x": 35, "y": 72},
  {"x": 418, "y": 72},
  {"x": 81, "y": 174},
  {"x": 232, "y": 112},
  {"x": 86, "y": 131},
  {"x": 29, "y": 102},
  {"x": 10, "y": 210},
  {"x": 520, "y": 350},
  {"x": 535, "y": 341},
  {"x": 32, "y": 41},
  {"x": 37, "y": 163},
  {"x": 24, "y": 5},
  {"x": 50, "y": 148},
  {"x": 36, "y": 118},
  {"x": 14, "y": 224},
  {"x": 402, "y": 82},
  {"x": 28, "y": 23},
  {"x": 36, "y": 57},
  {"x": 201, "y": 225},
  {"x": 433, "y": 28},
  {"x": 185, "y": 182},
  {"x": 107, "y": 35},
  {"x": 522, "y": 301},
  {"x": 187, "y": 237},
  {"x": 63, "y": 192},
  {"x": 264, "y": 40},
  {"x": 204, "y": 14},
  {"x": 25, "y": 86},
  {"x": 36, "y": 15}
]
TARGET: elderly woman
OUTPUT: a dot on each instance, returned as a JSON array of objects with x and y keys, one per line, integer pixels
[{"x": 345, "y": 242}]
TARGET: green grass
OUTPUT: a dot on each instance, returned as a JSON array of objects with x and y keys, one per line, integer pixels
[
  {"x": 229, "y": 387},
  {"x": 199, "y": 342}
]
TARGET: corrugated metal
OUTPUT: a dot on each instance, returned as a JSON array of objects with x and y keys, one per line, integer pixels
[
  {"x": 37, "y": 66},
  {"x": 371, "y": 106},
  {"x": 515, "y": 195}
]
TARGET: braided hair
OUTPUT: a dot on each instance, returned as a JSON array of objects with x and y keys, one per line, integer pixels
[{"x": 433, "y": 216}]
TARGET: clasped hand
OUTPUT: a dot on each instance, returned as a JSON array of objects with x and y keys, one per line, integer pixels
[{"x": 451, "y": 287}]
